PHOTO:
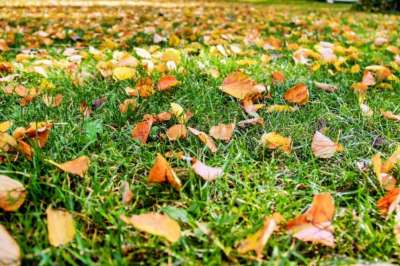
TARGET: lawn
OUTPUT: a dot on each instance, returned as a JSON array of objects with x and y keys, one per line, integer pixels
[{"x": 48, "y": 53}]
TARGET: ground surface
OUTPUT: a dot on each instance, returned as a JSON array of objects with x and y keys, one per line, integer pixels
[{"x": 257, "y": 181}]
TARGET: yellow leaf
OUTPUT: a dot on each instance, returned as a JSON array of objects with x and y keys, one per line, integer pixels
[
  {"x": 60, "y": 226},
  {"x": 12, "y": 193},
  {"x": 274, "y": 140},
  {"x": 123, "y": 73},
  {"x": 4, "y": 126}
]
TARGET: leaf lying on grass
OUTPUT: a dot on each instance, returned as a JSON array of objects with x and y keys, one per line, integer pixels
[
  {"x": 240, "y": 86},
  {"x": 12, "y": 193},
  {"x": 10, "y": 254},
  {"x": 222, "y": 131},
  {"x": 162, "y": 172},
  {"x": 206, "y": 139},
  {"x": 141, "y": 130},
  {"x": 156, "y": 224},
  {"x": 78, "y": 166},
  {"x": 274, "y": 141},
  {"x": 324, "y": 147},
  {"x": 208, "y": 173},
  {"x": 176, "y": 132},
  {"x": 298, "y": 94},
  {"x": 60, "y": 226}
]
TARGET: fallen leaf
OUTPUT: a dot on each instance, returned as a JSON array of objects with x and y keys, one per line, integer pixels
[
  {"x": 78, "y": 166},
  {"x": 278, "y": 77},
  {"x": 127, "y": 194},
  {"x": 162, "y": 172},
  {"x": 386, "y": 180},
  {"x": 176, "y": 132},
  {"x": 258, "y": 240},
  {"x": 208, "y": 173},
  {"x": 274, "y": 141},
  {"x": 240, "y": 86},
  {"x": 315, "y": 225},
  {"x": 368, "y": 79},
  {"x": 179, "y": 113},
  {"x": 222, "y": 131},
  {"x": 298, "y": 94},
  {"x": 38, "y": 131},
  {"x": 250, "y": 107},
  {"x": 388, "y": 203},
  {"x": 324, "y": 147},
  {"x": 162, "y": 117},
  {"x": 12, "y": 193},
  {"x": 155, "y": 224},
  {"x": 6, "y": 125},
  {"x": 10, "y": 254},
  {"x": 127, "y": 104},
  {"x": 145, "y": 87},
  {"x": 51, "y": 101},
  {"x": 251, "y": 121},
  {"x": 281, "y": 108},
  {"x": 99, "y": 102},
  {"x": 123, "y": 73},
  {"x": 206, "y": 139},
  {"x": 85, "y": 109},
  {"x": 167, "y": 82},
  {"x": 141, "y": 130},
  {"x": 390, "y": 115},
  {"x": 60, "y": 226},
  {"x": 325, "y": 86}
]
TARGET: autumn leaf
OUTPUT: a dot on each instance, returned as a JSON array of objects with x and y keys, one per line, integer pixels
[
  {"x": 60, "y": 226},
  {"x": 141, "y": 130},
  {"x": 123, "y": 73},
  {"x": 127, "y": 194},
  {"x": 208, "y": 173},
  {"x": 176, "y": 132},
  {"x": 251, "y": 121},
  {"x": 278, "y": 77},
  {"x": 325, "y": 86},
  {"x": 240, "y": 86},
  {"x": 12, "y": 193},
  {"x": 4, "y": 126},
  {"x": 390, "y": 115},
  {"x": 155, "y": 224},
  {"x": 315, "y": 225},
  {"x": 178, "y": 111},
  {"x": 274, "y": 141},
  {"x": 258, "y": 240},
  {"x": 281, "y": 108},
  {"x": 388, "y": 204},
  {"x": 386, "y": 180},
  {"x": 250, "y": 107},
  {"x": 145, "y": 87},
  {"x": 10, "y": 254},
  {"x": 78, "y": 166},
  {"x": 392, "y": 161},
  {"x": 324, "y": 147},
  {"x": 206, "y": 139},
  {"x": 128, "y": 104},
  {"x": 167, "y": 82},
  {"x": 162, "y": 172},
  {"x": 298, "y": 94},
  {"x": 222, "y": 131}
]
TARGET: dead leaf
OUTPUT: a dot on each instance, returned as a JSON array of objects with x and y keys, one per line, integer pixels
[
  {"x": 222, "y": 131},
  {"x": 162, "y": 172},
  {"x": 250, "y": 107},
  {"x": 298, "y": 94},
  {"x": 155, "y": 224},
  {"x": 128, "y": 104},
  {"x": 208, "y": 173},
  {"x": 392, "y": 161},
  {"x": 127, "y": 194},
  {"x": 368, "y": 79},
  {"x": 274, "y": 141},
  {"x": 60, "y": 226},
  {"x": 240, "y": 86},
  {"x": 386, "y": 180},
  {"x": 10, "y": 254},
  {"x": 251, "y": 121},
  {"x": 12, "y": 194},
  {"x": 167, "y": 82},
  {"x": 389, "y": 203},
  {"x": 281, "y": 108},
  {"x": 258, "y": 240},
  {"x": 176, "y": 132},
  {"x": 324, "y": 147},
  {"x": 179, "y": 113},
  {"x": 390, "y": 115},
  {"x": 78, "y": 166},
  {"x": 4, "y": 126},
  {"x": 123, "y": 73},
  {"x": 51, "y": 101},
  {"x": 141, "y": 130},
  {"x": 278, "y": 77},
  {"x": 145, "y": 87},
  {"x": 315, "y": 225},
  {"x": 325, "y": 86},
  {"x": 206, "y": 139}
]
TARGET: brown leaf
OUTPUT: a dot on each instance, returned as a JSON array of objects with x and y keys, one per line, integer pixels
[
  {"x": 325, "y": 86},
  {"x": 240, "y": 86},
  {"x": 390, "y": 115},
  {"x": 51, "y": 101},
  {"x": 274, "y": 141},
  {"x": 222, "y": 131},
  {"x": 60, "y": 226},
  {"x": 281, "y": 108},
  {"x": 208, "y": 173},
  {"x": 298, "y": 94},
  {"x": 388, "y": 204},
  {"x": 12, "y": 193},
  {"x": 368, "y": 79},
  {"x": 167, "y": 82},
  {"x": 386, "y": 180},
  {"x": 141, "y": 130},
  {"x": 85, "y": 109},
  {"x": 10, "y": 254},
  {"x": 156, "y": 224},
  {"x": 251, "y": 121},
  {"x": 162, "y": 172},
  {"x": 324, "y": 147},
  {"x": 278, "y": 77},
  {"x": 206, "y": 139},
  {"x": 315, "y": 225},
  {"x": 258, "y": 240},
  {"x": 127, "y": 104},
  {"x": 38, "y": 131},
  {"x": 127, "y": 194},
  {"x": 176, "y": 132},
  {"x": 78, "y": 166}
]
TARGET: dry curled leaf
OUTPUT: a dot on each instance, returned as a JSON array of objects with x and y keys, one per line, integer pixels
[
  {"x": 78, "y": 166},
  {"x": 389, "y": 203},
  {"x": 142, "y": 129},
  {"x": 60, "y": 226},
  {"x": 162, "y": 172},
  {"x": 176, "y": 132},
  {"x": 155, "y": 224},
  {"x": 298, "y": 94},
  {"x": 206, "y": 139},
  {"x": 222, "y": 131},
  {"x": 386, "y": 180},
  {"x": 208, "y": 173},
  {"x": 258, "y": 240},
  {"x": 274, "y": 141},
  {"x": 251, "y": 121},
  {"x": 390, "y": 115},
  {"x": 10, "y": 254},
  {"x": 12, "y": 193},
  {"x": 128, "y": 104},
  {"x": 324, "y": 147},
  {"x": 240, "y": 86},
  {"x": 315, "y": 225},
  {"x": 145, "y": 87},
  {"x": 325, "y": 86},
  {"x": 167, "y": 82},
  {"x": 251, "y": 108}
]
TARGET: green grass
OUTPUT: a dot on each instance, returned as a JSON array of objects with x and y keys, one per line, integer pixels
[{"x": 257, "y": 182}]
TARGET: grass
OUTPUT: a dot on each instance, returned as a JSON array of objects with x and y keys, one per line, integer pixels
[{"x": 257, "y": 182}]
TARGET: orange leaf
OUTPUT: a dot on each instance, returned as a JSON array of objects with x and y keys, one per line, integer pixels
[
  {"x": 281, "y": 108},
  {"x": 141, "y": 130},
  {"x": 39, "y": 131},
  {"x": 386, "y": 180},
  {"x": 390, "y": 115},
  {"x": 222, "y": 131},
  {"x": 391, "y": 162},
  {"x": 78, "y": 166},
  {"x": 156, "y": 224},
  {"x": 167, "y": 82},
  {"x": 177, "y": 132},
  {"x": 60, "y": 226},
  {"x": 324, "y": 147},
  {"x": 162, "y": 172},
  {"x": 12, "y": 193},
  {"x": 208, "y": 173},
  {"x": 240, "y": 86},
  {"x": 298, "y": 94},
  {"x": 278, "y": 77},
  {"x": 206, "y": 139},
  {"x": 10, "y": 253},
  {"x": 145, "y": 87},
  {"x": 315, "y": 225},
  {"x": 275, "y": 141},
  {"x": 368, "y": 79},
  {"x": 389, "y": 202}
]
